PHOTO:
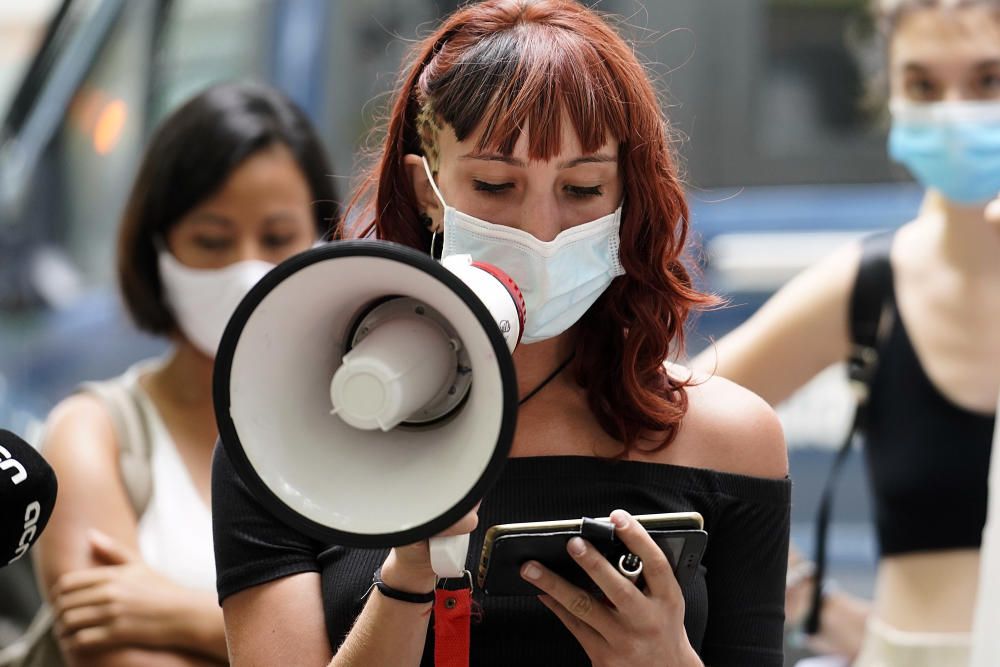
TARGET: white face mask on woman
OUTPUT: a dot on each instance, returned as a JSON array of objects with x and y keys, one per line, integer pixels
[
  {"x": 203, "y": 300},
  {"x": 560, "y": 279}
]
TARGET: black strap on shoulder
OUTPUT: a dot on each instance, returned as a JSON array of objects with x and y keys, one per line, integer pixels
[
  {"x": 871, "y": 319},
  {"x": 872, "y": 293}
]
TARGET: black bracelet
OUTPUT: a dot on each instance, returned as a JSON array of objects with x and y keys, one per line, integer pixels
[{"x": 396, "y": 594}]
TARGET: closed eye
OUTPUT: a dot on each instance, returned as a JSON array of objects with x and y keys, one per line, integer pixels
[
  {"x": 989, "y": 84},
  {"x": 276, "y": 241},
  {"x": 921, "y": 89},
  {"x": 584, "y": 192},
  {"x": 212, "y": 243},
  {"x": 490, "y": 188}
]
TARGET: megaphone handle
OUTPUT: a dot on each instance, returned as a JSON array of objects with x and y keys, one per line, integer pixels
[{"x": 448, "y": 555}]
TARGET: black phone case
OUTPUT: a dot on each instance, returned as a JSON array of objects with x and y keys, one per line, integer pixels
[{"x": 502, "y": 574}]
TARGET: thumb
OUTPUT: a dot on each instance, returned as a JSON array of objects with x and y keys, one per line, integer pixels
[{"x": 108, "y": 550}]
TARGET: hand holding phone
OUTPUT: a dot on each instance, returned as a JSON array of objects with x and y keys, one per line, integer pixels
[{"x": 631, "y": 626}]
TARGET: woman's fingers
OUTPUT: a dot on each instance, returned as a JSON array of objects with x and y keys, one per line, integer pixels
[
  {"x": 466, "y": 524},
  {"x": 108, "y": 550},
  {"x": 90, "y": 638},
  {"x": 620, "y": 591},
  {"x": 77, "y": 579},
  {"x": 588, "y": 638},
  {"x": 74, "y": 620},
  {"x": 83, "y": 597},
  {"x": 656, "y": 568},
  {"x": 578, "y": 602}
]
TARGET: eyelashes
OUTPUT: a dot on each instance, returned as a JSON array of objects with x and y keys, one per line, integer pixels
[
  {"x": 584, "y": 192},
  {"x": 216, "y": 244},
  {"x": 983, "y": 86},
  {"x": 490, "y": 188},
  {"x": 577, "y": 191}
]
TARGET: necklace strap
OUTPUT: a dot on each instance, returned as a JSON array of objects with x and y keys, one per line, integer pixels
[{"x": 552, "y": 376}]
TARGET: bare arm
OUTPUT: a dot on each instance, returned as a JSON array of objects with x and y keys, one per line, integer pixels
[
  {"x": 282, "y": 622},
  {"x": 185, "y": 627},
  {"x": 843, "y": 619},
  {"x": 797, "y": 333},
  {"x": 800, "y": 331},
  {"x": 278, "y": 623}
]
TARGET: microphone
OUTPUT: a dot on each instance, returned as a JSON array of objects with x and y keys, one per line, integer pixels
[{"x": 27, "y": 496}]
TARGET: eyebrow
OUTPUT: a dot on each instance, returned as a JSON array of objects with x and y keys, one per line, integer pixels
[
  {"x": 920, "y": 68},
  {"x": 597, "y": 158},
  {"x": 280, "y": 217},
  {"x": 210, "y": 218}
]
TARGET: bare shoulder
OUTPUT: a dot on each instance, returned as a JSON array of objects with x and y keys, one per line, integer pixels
[
  {"x": 731, "y": 429},
  {"x": 81, "y": 446},
  {"x": 80, "y": 425}
]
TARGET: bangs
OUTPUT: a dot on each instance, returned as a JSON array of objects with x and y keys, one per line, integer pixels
[{"x": 531, "y": 77}]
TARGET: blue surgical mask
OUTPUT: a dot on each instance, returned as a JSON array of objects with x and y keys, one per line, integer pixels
[
  {"x": 953, "y": 147},
  {"x": 560, "y": 279}
]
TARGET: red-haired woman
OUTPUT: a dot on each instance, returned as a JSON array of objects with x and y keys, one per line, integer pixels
[{"x": 529, "y": 136}]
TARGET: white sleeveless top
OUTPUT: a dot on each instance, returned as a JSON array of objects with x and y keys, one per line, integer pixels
[{"x": 175, "y": 531}]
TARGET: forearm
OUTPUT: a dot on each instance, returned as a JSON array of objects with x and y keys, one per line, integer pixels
[
  {"x": 389, "y": 632},
  {"x": 842, "y": 624},
  {"x": 137, "y": 657}
]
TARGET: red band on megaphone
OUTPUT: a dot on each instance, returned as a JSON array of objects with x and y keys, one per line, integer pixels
[{"x": 512, "y": 289}]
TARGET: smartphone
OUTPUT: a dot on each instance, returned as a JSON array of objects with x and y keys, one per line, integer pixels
[{"x": 507, "y": 547}]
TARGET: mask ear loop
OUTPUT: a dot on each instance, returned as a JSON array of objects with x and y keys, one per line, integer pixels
[
  {"x": 437, "y": 193},
  {"x": 430, "y": 177}
]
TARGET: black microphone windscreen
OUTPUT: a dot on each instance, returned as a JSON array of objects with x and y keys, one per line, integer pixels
[{"x": 27, "y": 496}]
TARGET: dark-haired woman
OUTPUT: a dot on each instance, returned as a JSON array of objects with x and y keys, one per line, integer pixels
[
  {"x": 232, "y": 183},
  {"x": 527, "y": 133},
  {"x": 931, "y": 415}
]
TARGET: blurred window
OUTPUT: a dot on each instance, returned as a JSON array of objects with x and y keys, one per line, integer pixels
[
  {"x": 206, "y": 41},
  {"x": 767, "y": 92},
  {"x": 57, "y": 245},
  {"x": 22, "y": 27}
]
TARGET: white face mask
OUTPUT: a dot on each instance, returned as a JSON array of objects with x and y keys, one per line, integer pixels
[
  {"x": 203, "y": 300},
  {"x": 560, "y": 279}
]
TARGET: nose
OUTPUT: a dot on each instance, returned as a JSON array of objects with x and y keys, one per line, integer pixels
[
  {"x": 953, "y": 94},
  {"x": 249, "y": 248},
  {"x": 540, "y": 217}
]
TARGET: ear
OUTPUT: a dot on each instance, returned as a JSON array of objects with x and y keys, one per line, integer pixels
[{"x": 427, "y": 201}]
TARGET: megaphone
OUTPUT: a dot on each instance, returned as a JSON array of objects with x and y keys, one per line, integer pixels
[{"x": 366, "y": 395}]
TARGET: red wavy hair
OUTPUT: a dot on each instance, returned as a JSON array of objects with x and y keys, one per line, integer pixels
[{"x": 502, "y": 63}]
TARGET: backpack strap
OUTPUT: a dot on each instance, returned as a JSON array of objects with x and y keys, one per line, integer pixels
[
  {"x": 872, "y": 315},
  {"x": 134, "y": 439},
  {"x": 871, "y": 312}
]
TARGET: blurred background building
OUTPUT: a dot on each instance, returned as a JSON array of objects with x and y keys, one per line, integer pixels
[{"x": 782, "y": 141}]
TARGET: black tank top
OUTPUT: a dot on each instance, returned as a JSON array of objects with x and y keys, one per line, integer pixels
[{"x": 928, "y": 458}]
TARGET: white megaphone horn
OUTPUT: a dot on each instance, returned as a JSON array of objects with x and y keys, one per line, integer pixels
[{"x": 366, "y": 394}]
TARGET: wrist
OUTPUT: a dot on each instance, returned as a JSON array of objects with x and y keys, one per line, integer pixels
[
  {"x": 407, "y": 576},
  {"x": 691, "y": 658},
  {"x": 196, "y": 622}
]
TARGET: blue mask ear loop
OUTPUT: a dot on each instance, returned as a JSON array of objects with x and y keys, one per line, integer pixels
[{"x": 437, "y": 193}]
